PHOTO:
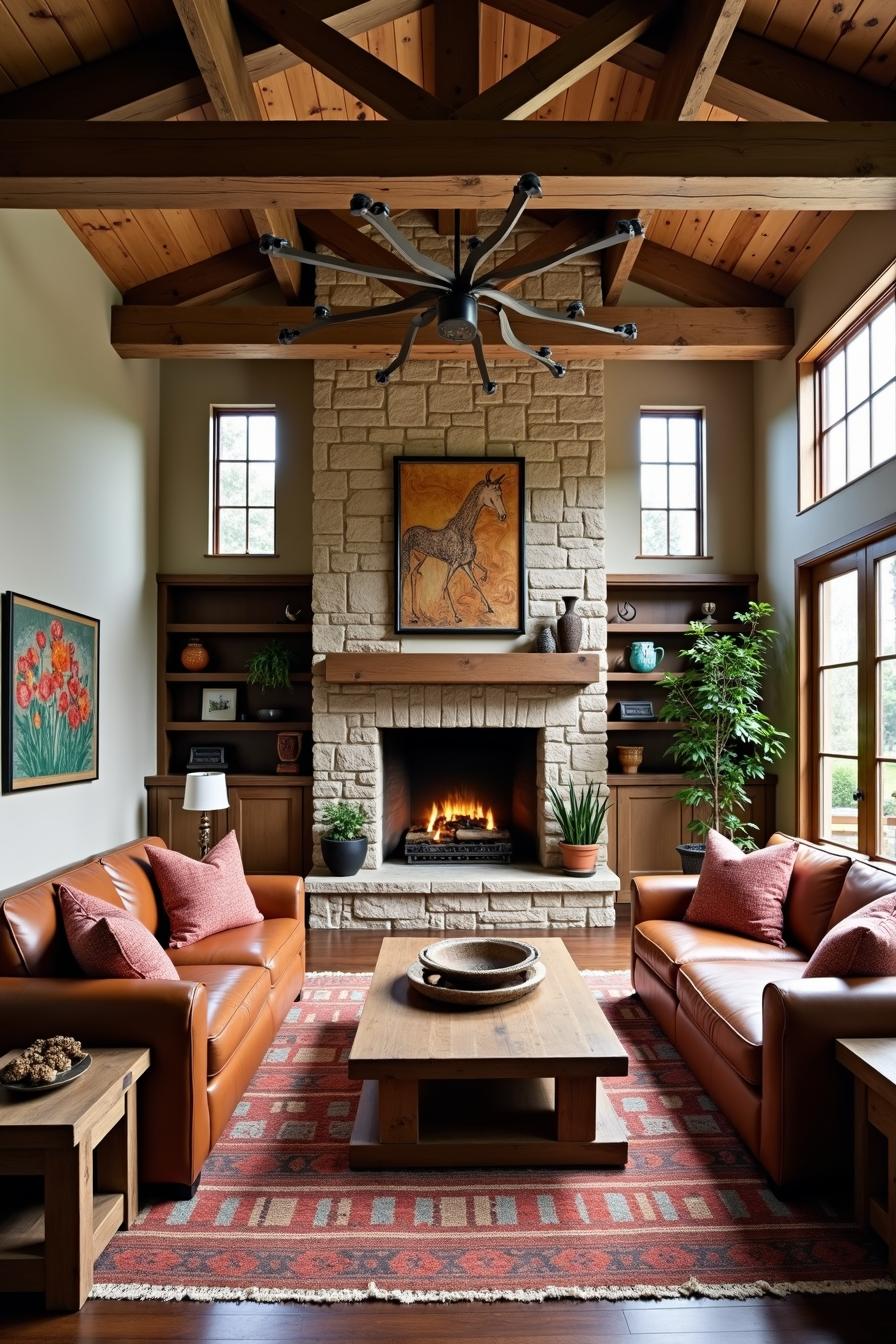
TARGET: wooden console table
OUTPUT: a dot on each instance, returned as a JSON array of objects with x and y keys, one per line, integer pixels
[
  {"x": 82, "y": 1139},
  {"x": 872, "y": 1062}
]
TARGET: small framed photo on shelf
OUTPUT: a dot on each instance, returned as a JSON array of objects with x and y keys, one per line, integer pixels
[{"x": 218, "y": 704}]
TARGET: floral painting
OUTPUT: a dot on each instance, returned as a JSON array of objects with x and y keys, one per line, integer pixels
[{"x": 51, "y": 658}]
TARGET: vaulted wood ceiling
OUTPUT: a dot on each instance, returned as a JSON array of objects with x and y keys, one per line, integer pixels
[{"x": 127, "y": 59}]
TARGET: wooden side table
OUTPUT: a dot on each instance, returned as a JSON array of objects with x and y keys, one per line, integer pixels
[
  {"x": 872, "y": 1062},
  {"x": 82, "y": 1139}
]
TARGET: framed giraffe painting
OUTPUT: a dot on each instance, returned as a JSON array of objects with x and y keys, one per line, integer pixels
[{"x": 460, "y": 545}]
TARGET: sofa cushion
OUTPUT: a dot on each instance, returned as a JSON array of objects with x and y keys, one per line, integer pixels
[
  {"x": 815, "y": 885},
  {"x": 204, "y": 896},
  {"x": 109, "y": 943},
  {"x": 743, "y": 893},
  {"x": 135, "y": 884},
  {"x": 865, "y": 882},
  {"x": 274, "y": 944},
  {"x": 236, "y": 996},
  {"x": 724, "y": 1000},
  {"x": 864, "y": 944},
  {"x": 666, "y": 944}
]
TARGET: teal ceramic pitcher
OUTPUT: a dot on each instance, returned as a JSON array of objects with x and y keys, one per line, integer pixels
[{"x": 644, "y": 655}]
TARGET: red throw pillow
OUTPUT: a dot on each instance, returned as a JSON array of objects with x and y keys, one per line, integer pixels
[
  {"x": 204, "y": 896},
  {"x": 743, "y": 893},
  {"x": 109, "y": 943},
  {"x": 863, "y": 944}
]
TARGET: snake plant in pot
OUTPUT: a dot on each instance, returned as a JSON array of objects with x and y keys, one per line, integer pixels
[
  {"x": 726, "y": 741},
  {"x": 344, "y": 847},
  {"x": 581, "y": 818}
]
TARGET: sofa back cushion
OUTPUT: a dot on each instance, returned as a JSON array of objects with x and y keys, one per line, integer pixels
[
  {"x": 32, "y": 939},
  {"x": 863, "y": 944},
  {"x": 135, "y": 883},
  {"x": 865, "y": 882},
  {"x": 110, "y": 943},
  {"x": 204, "y": 896},
  {"x": 815, "y": 884},
  {"x": 743, "y": 893}
]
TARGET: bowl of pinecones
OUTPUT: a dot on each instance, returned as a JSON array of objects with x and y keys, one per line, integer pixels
[{"x": 46, "y": 1064}]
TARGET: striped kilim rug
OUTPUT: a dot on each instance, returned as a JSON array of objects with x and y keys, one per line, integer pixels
[{"x": 279, "y": 1216}]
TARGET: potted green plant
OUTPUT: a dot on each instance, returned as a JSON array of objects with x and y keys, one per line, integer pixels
[
  {"x": 726, "y": 742},
  {"x": 344, "y": 846},
  {"x": 581, "y": 819},
  {"x": 269, "y": 667}
]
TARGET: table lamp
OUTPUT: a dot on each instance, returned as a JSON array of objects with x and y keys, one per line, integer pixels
[{"x": 206, "y": 791}]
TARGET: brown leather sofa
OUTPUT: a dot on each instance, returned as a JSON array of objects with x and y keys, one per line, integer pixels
[
  {"x": 759, "y": 1037},
  {"x": 207, "y": 1034}
]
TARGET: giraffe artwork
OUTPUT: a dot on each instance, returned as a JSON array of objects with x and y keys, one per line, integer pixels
[{"x": 459, "y": 545}]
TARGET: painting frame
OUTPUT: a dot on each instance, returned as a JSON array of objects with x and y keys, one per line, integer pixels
[
  {"x": 44, "y": 689},
  {"x": 210, "y": 714},
  {"x": 509, "y": 473}
]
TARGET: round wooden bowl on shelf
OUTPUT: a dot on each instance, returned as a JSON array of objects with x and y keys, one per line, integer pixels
[{"x": 479, "y": 963}]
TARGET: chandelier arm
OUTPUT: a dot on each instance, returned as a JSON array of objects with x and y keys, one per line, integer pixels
[
  {"x": 279, "y": 248},
  {"x": 415, "y": 326},
  {"x": 489, "y": 386},
  {"x": 510, "y": 338},
  {"x": 380, "y": 221},
  {"x": 511, "y": 273},
  {"x": 290, "y": 334},
  {"x": 498, "y": 296},
  {"x": 512, "y": 216}
]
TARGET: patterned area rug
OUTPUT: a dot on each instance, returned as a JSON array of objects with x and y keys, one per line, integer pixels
[{"x": 279, "y": 1216}]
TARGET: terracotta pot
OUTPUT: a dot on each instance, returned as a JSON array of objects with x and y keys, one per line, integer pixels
[
  {"x": 194, "y": 656},
  {"x": 579, "y": 860},
  {"x": 630, "y": 759}
]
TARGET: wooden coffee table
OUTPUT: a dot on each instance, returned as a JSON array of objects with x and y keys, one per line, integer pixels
[{"x": 512, "y": 1086}]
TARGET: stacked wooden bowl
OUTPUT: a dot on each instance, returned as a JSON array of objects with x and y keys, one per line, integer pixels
[{"x": 477, "y": 972}]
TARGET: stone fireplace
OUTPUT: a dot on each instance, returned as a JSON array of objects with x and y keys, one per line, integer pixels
[{"x": 548, "y": 733}]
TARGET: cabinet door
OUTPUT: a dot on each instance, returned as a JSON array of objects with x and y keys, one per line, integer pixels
[
  {"x": 612, "y": 841},
  {"x": 180, "y": 829},
  {"x": 650, "y": 822},
  {"x": 268, "y": 825},
  {"x": 761, "y": 811}
]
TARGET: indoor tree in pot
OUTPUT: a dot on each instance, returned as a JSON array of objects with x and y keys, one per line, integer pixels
[
  {"x": 726, "y": 742},
  {"x": 344, "y": 847},
  {"x": 581, "y": 819}
]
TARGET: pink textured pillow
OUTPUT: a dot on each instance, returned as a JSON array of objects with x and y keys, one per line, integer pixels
[
  {"x": 109, "y": 943},
  {"x": 743, "y": 893},
  {"x": 204, "y": 896},
  {"x": 863, "y": 944}
]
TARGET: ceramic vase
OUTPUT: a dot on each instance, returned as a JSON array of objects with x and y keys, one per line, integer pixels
[
  {"x": 545, "y": 641},
  {"x": 569, "y": 627},
  {"x": 630, "y": 759},
  {"x": 645, "y": 656},
  {"x": 194, "y": 656}
]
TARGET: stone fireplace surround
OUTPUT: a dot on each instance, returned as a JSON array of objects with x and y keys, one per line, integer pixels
[{"x": 433, "y": 409}]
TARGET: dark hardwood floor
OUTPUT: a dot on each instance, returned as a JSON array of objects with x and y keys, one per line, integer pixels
[{"x": 856, "y": 1319}]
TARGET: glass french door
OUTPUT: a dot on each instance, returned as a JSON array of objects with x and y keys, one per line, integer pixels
[{"x": 853, "y": 692}]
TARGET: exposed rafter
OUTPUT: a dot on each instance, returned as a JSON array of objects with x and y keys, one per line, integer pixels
[
  {"x": 219, "y": 277},
  {"x": 226, "y": 332},
  {"x": 342, "y": 235},
  {"x": 456, "y": 41},
  {"x": 688, "y": 280},
  {"x": 578, "y": 227}
]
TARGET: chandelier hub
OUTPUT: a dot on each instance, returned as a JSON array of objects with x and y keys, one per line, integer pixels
[{"x": 458, "y": 318}]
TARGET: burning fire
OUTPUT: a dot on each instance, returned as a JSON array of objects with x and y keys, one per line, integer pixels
[{"x": 459, "y": 809}]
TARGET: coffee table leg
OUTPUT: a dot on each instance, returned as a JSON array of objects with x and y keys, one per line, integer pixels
[
  {"x": 116, "y": 1159},
  {"x": 399, "y": 1110},
  {"x": 68, "y": 1227},
  {"x": 575, "y": 1102}
]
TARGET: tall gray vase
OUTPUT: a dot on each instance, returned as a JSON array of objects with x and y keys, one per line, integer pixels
[{"x": 569, "y": 627}]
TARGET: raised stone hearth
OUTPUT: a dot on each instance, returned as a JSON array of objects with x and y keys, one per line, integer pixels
[{"x": 434, "y": 409}]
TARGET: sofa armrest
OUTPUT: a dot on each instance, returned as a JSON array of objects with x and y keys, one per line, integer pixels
[
  {"x": 806, "y": 1095},
  {"x": 661, "y": 895},
  {"x": 278, "y": 897},
  {"x": 168, "y": 1016}
]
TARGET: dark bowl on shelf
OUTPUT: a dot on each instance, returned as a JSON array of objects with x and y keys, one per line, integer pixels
[{"x": 270, "y": 715}]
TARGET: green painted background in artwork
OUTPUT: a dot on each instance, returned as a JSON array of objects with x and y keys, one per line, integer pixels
[{"x": 53, "y": 700}]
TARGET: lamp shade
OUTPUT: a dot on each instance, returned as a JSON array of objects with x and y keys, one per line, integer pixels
[{"x": 206, "y": 791}]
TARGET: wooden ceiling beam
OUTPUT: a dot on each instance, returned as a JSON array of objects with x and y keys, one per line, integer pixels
[
  {"x": 456, "y": 51},
  {"x": 223, "y": 332},
  {"x": 349, "y": 65},
  {"x": 756, "y": 79},
  {"x": 553, "y": 69},
  {"x": 702, "y": 31},
  {"x": 690, "y": 281},
  {"x": 578, "y": 227},
  {"x": 220, "y": 277},
  {"x": 447, "y": 164}
]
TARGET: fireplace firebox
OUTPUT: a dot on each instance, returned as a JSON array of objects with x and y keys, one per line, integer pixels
[{"x": 459, "y": 795}]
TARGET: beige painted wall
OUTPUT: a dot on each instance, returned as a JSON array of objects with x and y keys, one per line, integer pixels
[
  {"x": 855, "y": 258},
  {"x": 188, "y": 391},
  {"x": 78, "y": 522},
  {"x": 725, "y": 391}
]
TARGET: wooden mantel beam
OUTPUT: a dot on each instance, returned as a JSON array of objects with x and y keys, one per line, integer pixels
[
  {"x": 216, "y": 332},
  {"x": 448, "y": 164}
]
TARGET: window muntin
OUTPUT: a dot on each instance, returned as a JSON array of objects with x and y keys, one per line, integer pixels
[
  {"x": 244, "y": 486},
  {"x": 671, "y": 479}
]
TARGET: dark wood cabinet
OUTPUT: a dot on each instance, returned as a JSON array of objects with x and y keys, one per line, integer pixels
[{"x": 271, "y": 817}]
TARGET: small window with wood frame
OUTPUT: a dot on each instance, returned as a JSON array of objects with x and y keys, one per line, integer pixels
[
  {"x": 847, "y": 396},
  {"x": 243, "y": 480},
  {"x": 672, "y": 491}
]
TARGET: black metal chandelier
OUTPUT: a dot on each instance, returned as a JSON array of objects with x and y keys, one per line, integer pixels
[{"x": 452, "y": 297}]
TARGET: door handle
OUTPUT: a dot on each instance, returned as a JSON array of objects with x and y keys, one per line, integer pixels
[{"x": 858, "y": 796}]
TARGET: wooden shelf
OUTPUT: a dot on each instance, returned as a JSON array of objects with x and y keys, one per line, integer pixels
[
  {"x": 446, "y": 669},
  {"x": 651, "y": 726},
  {"x": 645, "y": 580},
  {"x": 619, "y": 780},
  {"x": 635, "y": 676},
  {"x": 203, "y": 677},
  {"x": 655, "y": 628},
  {"x": 235, "y": 779},
  {"x": 240, "y": 628},
  {"x": 231, "y": 726}
]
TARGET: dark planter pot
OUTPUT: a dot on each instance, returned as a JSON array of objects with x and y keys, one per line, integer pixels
[
  {"x": 344, "y": 857},
  {"x": 692, "y": 857}
]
